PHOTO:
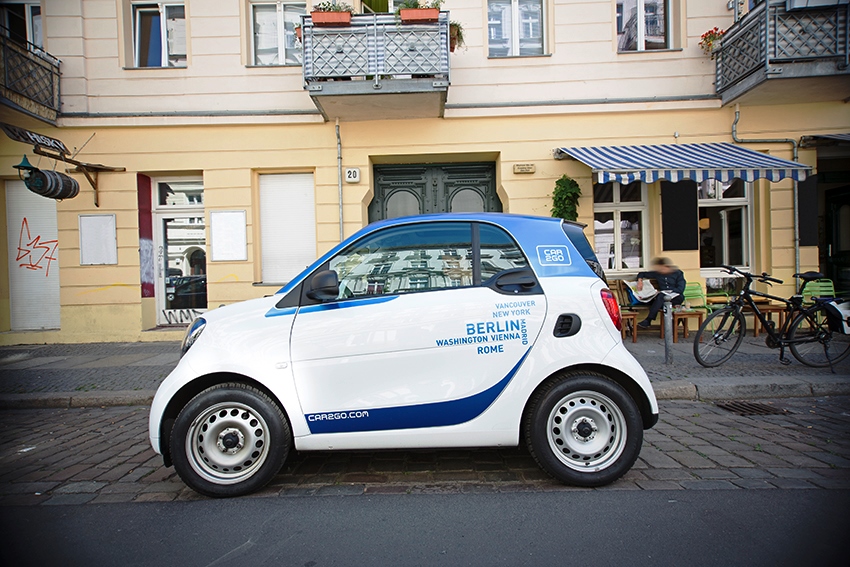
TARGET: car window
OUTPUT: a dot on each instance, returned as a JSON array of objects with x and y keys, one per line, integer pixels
[
  {"x": 404, "y": 259},
  {"x": 575, "y": 233},
  {"x": 498, "y": 252}
]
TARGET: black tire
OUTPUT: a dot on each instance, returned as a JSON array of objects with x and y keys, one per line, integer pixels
[
  {"x": 821, "y": 347},
  {"x": 229, "y": 440},
  {"x": 583, "y": 429},
  {"x": 719, "y": 337}
]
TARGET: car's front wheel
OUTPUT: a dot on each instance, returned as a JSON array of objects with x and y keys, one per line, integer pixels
[
  {"x": 583, "y": 429},
  {"x": 229, "y": 440}
]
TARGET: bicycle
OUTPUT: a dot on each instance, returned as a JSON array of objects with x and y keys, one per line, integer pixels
[{"x": 812, "y": 333}]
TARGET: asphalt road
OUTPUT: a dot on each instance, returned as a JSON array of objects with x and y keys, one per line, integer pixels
[{"x": 659, "y": 528}]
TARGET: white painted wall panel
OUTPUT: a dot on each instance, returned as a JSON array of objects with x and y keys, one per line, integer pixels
[{"x": 32, "y": 234}]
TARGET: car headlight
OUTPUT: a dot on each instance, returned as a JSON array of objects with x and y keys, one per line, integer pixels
[{"x": 192, "y": 333}]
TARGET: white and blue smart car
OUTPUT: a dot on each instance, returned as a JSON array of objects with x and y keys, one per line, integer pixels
[{"x": 455, "y": 330}]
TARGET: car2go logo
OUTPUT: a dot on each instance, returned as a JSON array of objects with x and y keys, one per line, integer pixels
[
  {"x": 421, "y": 332},
  {"x": 553, "y": 255}
]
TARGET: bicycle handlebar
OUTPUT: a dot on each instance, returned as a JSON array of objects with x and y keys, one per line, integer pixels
[{"x": 764, "y": 277}]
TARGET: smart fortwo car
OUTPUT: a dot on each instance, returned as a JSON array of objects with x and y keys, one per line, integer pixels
[{"x": 454, "y": 330}]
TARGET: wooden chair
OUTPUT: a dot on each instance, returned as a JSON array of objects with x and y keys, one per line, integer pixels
[
  {"x": 628, "y": 315},
  {"x": 695, "y": 306}
]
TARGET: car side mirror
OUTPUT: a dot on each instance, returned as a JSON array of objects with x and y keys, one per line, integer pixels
[{"x": 324, "y": 286}]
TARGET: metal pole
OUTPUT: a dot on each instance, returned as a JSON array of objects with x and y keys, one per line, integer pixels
[{"x": 668, "y": 330}]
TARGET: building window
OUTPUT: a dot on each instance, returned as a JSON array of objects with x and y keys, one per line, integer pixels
[
  {"x": 724, "y": 224},
  {"x": 515, "y": 27},
  {"x": 22, "y": 23},
  {"x": 270, "y": 45},
  {"x": 643, "y": 25},
  {"x": 619, "y": 213},
  {"x": 159, "y": 35},
  {"x": 287, "y": 225}
]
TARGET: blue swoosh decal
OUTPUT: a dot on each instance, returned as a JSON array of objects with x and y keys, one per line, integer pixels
[
  {"x": 275, "y": 312},
  {"x": 437, "y": 414},
  {"x": 347, "y": 303}
]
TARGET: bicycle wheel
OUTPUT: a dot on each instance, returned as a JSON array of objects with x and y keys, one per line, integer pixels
[
  {"x": 813, "y": 344},
  {"x": 719, "y": 337}
]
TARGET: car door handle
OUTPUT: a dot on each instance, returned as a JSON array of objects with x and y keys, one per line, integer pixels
[
  {"x": 517, "y": 280},
  {"x": 521, "y": 279}
]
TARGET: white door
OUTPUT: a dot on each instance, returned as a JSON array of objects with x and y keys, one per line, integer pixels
[{"x": 33, "y": 238}]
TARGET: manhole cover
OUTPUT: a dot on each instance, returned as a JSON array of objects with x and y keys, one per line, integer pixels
[{"x": 751, "y": 408}]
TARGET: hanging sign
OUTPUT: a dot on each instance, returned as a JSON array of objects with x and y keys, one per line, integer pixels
[{"x": 39, "y": 140}]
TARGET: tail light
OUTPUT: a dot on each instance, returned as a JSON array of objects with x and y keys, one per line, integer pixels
[{"x": 612, "y": 307}]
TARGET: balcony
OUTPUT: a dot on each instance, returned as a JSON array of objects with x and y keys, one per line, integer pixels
[
  {"x": 30, "y": 79},
  {"x": 775, "y": 56},
  {"x": 377, "y": 68}
]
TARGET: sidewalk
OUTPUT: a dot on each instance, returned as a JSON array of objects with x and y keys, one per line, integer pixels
[{"x": 116, "y": 374}]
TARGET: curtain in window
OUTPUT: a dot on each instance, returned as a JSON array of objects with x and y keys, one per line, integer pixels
[{"x": 265, "y": 35}]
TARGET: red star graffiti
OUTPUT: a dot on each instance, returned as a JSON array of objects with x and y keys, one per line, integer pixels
[{"x": 37, "y": 254}]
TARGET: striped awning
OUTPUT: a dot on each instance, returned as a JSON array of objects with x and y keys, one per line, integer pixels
[{"x": 676, "y": 162}]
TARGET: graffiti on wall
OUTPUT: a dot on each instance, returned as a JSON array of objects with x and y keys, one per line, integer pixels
[
  {"x": 181, "y": 316},
  {"x": 33, "y": 252}
]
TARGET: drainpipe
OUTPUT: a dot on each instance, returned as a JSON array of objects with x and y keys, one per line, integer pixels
[
  {"x": 339, "y": 177},
  {"x": 795, "y": 188}
]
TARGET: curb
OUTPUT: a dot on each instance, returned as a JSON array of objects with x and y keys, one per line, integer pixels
[
  {"x": 668, "y": 390},
  {"x": 76, "y": 399}
]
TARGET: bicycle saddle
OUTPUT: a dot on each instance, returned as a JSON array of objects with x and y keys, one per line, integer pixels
[{"x": 809, "y": 276}]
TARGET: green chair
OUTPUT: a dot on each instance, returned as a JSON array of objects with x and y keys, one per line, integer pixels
[
  {"x": 818, "y": 288},
  {"x": 695, "y": 298}
]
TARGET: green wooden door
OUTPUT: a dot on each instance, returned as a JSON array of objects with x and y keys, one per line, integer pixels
[{"x": 402, "y": 190}]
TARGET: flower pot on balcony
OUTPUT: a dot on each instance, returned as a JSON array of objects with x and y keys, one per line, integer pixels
[
  {"x": 331, "y": 19},
  {"x": 419, "y": 15}
]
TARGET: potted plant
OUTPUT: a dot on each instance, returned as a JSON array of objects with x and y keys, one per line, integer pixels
[
  {"x": 565, "y": 198},
  {"x": 331, "y": 13},
  {"x": 419, "y": 11},
  {"x": 455, "y": 36},
  {"x": 298, "y": 32},
  {"x": 710, "y": 40}
]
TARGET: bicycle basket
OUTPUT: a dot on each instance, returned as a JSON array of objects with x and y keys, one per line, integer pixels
[{"x": 838, "y": 316}]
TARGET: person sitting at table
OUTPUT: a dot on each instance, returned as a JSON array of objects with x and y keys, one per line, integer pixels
[{"x": 670, "y": 281}]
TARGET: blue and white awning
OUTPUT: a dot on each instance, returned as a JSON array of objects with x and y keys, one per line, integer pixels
[{"x": 676, "y": 162}]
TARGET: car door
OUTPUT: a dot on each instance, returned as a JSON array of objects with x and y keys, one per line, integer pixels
[{"x": 431, "y": 322}]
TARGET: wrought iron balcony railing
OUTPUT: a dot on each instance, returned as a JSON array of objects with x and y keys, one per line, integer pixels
[
  {"x": 30, "y": 78},
  {"x": 771, "y": 39},
  {"x": 376, "y": 47}
]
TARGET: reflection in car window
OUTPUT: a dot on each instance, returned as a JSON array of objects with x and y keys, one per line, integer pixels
[
  {"x": 498, "y": 252},
  {"x": 406, "y": 259}
]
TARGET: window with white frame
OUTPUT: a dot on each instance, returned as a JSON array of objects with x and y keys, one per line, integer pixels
[
  {"x": 515, "y": 27},
  {"x": 273, "y": 32},
  {"x": 619, "y": 225},
  {"x": 724, "y": 224},
  {"x": 22, "y": 22},
  {"x": 287, "y": 225},
  {"x": 643, "y": 25},
  {"x": 159, "y": 35}
]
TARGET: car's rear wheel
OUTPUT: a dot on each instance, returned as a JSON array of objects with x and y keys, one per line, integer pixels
[
  {"x": 229, "y": 440},
  {"x": 584, "y": 429}
]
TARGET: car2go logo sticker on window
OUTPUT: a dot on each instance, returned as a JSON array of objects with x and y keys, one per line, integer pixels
[{"x": 554, "y": 255}]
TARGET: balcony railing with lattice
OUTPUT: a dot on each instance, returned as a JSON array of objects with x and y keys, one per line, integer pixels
[
  {"x": 770, "y": 35},
  {"x": 376, "y": 47},
  {"x": 30, "y": 75}
]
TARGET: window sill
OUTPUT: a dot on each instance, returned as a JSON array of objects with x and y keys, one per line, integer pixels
[
  {"x": 498, "y": 57},
  {"x": 645, "y": 51},
  {"x": 288, "y": 65},
  {"x": 182, "y": 68}
]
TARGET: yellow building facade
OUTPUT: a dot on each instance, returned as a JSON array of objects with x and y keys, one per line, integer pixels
[{"x": 233, "y": 177}]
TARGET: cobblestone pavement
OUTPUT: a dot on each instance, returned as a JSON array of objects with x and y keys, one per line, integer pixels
[{"x": 102, "y": 455}]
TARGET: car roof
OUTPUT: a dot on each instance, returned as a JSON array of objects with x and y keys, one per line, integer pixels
[{"x": 527, "y": 229}]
